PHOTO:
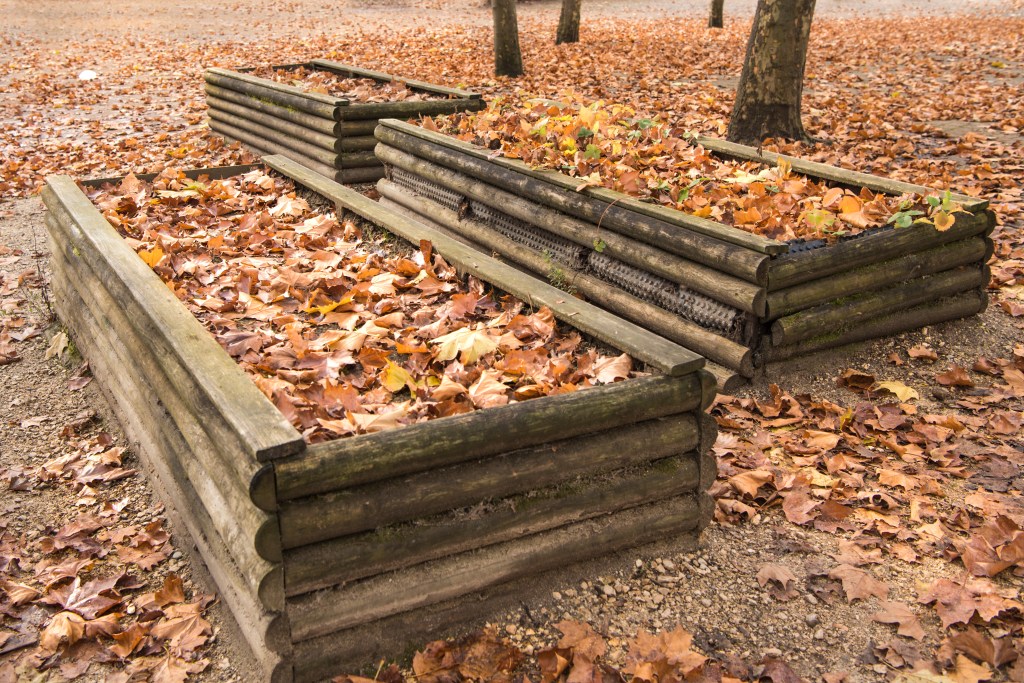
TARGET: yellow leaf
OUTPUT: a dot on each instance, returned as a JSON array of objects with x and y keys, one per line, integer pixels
[
  {"x": 395, "y": 377},
  {"x": 943, "y": 221},
  {"x": 898, "y": 389},
  {"x": 152, "y": 257},
  {"x": 471, "y": 344},
  {"x": 849, "y": 204},
  {"x": 327, "y": 308}
]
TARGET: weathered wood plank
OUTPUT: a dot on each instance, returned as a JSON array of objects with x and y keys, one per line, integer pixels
[
  {"x": 450, "y": 440},
  {"x": 324, "y": 612},
  {"x": 351, "y": 510},
  {"x": 320, "y": 124},
  {"x": 339, "y": 561},
  {"x": 711, "y": 243},
  {"x": 142, "y": 416},
  {"x": 709, "y": 281},
  {"x": 406, "y": 109},
  {"x": 348, "y": 70},
  {"x": 960, "y": 306},
  {"x": 277, "y": 93},
  {"x": 253, "y": 535},
  {"x": 236, "y": 114},
  {"x": 636, "y": 341},
  {"x": 218, "y": 389},
  {"x": 265, "y": 147},
  {"x": 869, "y": 248},
  {"x": 302, "y": 145},
  {"x": 859, "y": 306},
  {"x": 877, "y": 275}
]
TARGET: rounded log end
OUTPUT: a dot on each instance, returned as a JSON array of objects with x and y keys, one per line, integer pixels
[
  {"x": 268, "y": 540},
  {"x": 271, "y": 590},
  {"x": 263, "y": 489}
]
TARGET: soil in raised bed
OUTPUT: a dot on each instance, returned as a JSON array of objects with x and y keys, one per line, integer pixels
[
  {"x": 346, "y": 330},
  {"x": 609, "y": 145},
  {"x": 358, "y": 90}
]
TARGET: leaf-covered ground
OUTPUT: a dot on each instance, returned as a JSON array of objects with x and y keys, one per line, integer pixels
[{"x": 866, "y": 529}]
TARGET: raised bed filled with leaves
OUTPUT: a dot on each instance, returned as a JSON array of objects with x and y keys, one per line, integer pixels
[
  {"x": 321, "y": 113},
  {"x": 371, "y": 440},
  {"x": 745, "y": 257}
]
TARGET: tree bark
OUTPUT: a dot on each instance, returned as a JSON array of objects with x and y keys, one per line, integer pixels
[
  {"x": 716, "y": 16},
  {"x": 508, "y": 59},
  {"x": 569, "y": 22},
  {"x": 771, "y": 85}
]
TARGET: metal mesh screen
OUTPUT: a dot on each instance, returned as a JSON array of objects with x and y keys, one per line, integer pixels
[
  {"x": 449, "y": 199},
  {"x": 559, "y": 248}
]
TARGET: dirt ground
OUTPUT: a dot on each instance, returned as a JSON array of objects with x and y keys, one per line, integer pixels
[{"x": 713, "y": 592}]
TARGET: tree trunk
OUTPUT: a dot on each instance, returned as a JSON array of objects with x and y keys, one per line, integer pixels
[
  {"x": 771, "y": 85},
  {"x": 569, "y": 22},
  {"x": 508, "y": 60},
  {"x": 715, "y": 19}
]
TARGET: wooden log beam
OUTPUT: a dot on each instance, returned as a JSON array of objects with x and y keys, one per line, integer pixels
[
  {"x": 351, "y": 510},
  {"x": 340, "y": 561},
  {"x": 960, "y": 306},
  {"x": 142, "y": 416},
  {"x": 841, "y": 176},
  {"x": 277, "y": 93},
  {"x": 450, "y": 440},
  {"x": 678, "y": 329},
  {"x": 877, "y": 275},
  {"x": 699, "y": 240},
  {"x": 253, "y": 532},
  {"x": 239, "y": 115},
  {"x": 217, "y": 389},
  {"x": 869, "y": 249},
  {"x": 855, "y": 308},
  {"x": 720, "y": 286},
  {"x": 327, "y": 157},
  {"x": 423, "y": 86},
  {"x": 265, "y": 147},
  {"x": 325, "y": 126},
  {"x": 637, "y": 342},
  {"x": 355, "y": 128},
  {"x": 361, "y": 111},
  {"x": 324, "y": 612}
]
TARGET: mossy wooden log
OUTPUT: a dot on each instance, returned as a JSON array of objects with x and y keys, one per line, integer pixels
[
  {"x": 636, "y": 341},
  {"x": 606, "y": 295},
  {"x": 320, "y": 124},
  {"x": 355, "y": 128},
  {"x": 451, "y": 440},
  {"x": 277, "y": 93},
  {"x": 346, "y": 559},
  {"x": 869, "y": 248},
  {"x": 840, "y": 176},
  {"x": 557, "y": 191},
  {"x": 422, "y": 86},
  {"x": 218, "y": 390},
  {"x": 141, "y": 412},
  {"x": 941, "y": 310},
  {"x": 253, "y": 534},
  {"x": 726, "y": 288},
  {"x": 323, "y": 612},
  {"x": 352, "y": 510},
  {"x": 239, "y": 115},
  {"x": 876, "y": 276},
  {"x": 406, "y": 109},
  {"x": 850, "y": 310},
  {"x": 235, "y": 124}
]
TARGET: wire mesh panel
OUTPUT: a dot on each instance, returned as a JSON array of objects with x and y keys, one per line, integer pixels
[
  {"x": 449, "y": 199},
  {"x": 559, "y": 248},
  {"x": 695, "y": 307}
]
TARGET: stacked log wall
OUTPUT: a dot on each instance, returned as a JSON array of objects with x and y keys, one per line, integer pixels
[
  {"x": 738, "y": 299},
  {"x": 330, "y": 555},
  {"x": 330, "y": 135}
]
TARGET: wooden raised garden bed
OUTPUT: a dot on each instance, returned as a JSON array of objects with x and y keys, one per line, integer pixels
[
  {"x": 737, "y": 298},
  {"x": 333, "y": 554},
  {"x": 331, "y": 135}
]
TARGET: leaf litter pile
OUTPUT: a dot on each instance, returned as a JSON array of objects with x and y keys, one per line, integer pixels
[
  {"x": 610, "y": 145},
  {"x": 344, "y": 333},
  {"x": 359, "y": 90}
]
